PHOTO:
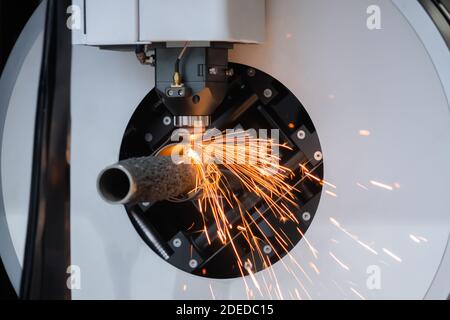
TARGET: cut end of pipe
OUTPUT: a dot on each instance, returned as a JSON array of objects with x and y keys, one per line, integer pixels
[
  {"x": 115, "y": 185},
  {"x": 146, "y": 179}
]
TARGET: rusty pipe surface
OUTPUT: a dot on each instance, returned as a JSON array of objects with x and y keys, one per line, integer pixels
[{"x": 147, "y": 179}]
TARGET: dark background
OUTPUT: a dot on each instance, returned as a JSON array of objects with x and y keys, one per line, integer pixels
[{"x": 13, "y": 16}]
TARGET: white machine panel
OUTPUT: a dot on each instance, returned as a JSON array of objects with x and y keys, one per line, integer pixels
[
  {"x": 202, "y": 20},
  {"x": 111, "y": 22},
  {"x": 126, "y": 22}
]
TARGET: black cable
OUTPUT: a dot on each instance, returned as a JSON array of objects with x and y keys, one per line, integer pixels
[{"x": 47, "y": 248}]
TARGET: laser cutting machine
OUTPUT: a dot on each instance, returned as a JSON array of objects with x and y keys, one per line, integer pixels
[{"x": 358, "y": 90}]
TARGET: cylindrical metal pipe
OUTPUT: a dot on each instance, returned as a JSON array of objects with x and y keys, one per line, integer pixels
[{"x": 147, "y": 179}]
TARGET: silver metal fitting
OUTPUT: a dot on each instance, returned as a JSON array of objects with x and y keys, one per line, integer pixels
[{"x": 192, "y": 121}]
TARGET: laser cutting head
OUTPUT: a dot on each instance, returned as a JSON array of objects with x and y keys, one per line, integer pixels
[{"x": 192, "y": 81}]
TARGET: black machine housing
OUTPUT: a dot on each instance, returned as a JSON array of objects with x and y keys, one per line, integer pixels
[{"x": 204, "y": 78}]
